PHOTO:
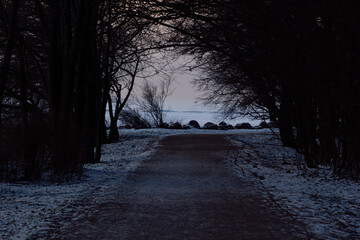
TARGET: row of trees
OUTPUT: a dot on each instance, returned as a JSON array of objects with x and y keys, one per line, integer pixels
[
  {"x": 295, "y": 62},
  {"x": 64, "y": 61}
]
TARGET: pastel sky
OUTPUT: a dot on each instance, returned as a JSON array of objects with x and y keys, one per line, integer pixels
[
  {"x": 186, "y": 94},
  {"x": 184, "y": 101}
]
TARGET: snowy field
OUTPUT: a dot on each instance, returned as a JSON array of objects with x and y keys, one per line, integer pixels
[
  {"x": 29, "y": 209},
  {"x": 330, "y": 206}
]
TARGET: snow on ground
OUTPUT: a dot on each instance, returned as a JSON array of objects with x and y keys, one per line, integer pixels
[
  {"x": 28, "y": 209},
  {"x": 330, "y": 206}
]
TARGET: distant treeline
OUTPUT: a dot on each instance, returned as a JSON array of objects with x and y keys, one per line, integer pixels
[{"x": 62, "y": 62}]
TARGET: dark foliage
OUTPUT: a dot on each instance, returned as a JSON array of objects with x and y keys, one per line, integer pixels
[
  {"x": 58, "y": 63},
  {"x": 134, "y": 118},
  {"x": 295, "y": 62},
  {"x": 61, "y": 62}
]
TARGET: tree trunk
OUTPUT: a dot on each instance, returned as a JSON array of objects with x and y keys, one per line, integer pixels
[
  {"x": 90, "y": 75},
  {"x": 114, "y": 133},
  {"x": 72, "y": 84},
  {"x": 11, "y": 35},
  {"x": 285, "y": 125}
]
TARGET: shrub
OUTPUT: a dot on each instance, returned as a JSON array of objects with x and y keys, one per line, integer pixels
[{"x": 134, "y": 118}]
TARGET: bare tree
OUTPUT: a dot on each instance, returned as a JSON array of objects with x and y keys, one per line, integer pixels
[
  {"x": 153, "y": 98},
  {"x": 118, "y": 88},
  {"x": 59, "y": 62}
]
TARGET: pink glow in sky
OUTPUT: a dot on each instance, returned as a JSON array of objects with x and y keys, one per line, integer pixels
[{"x": 185, "y": 94}]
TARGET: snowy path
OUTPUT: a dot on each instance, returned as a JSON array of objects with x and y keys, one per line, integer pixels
[{"x": 184, "y": 191}]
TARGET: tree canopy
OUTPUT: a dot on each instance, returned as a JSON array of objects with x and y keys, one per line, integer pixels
[{"x": 62, "y": 62}]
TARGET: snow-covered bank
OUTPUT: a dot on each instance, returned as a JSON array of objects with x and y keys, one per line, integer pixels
[
  {"x": 27, "y": 209},
  {"x": 330, "y": 206}
]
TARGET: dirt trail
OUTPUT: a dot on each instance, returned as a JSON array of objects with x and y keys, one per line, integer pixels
[{"x": 185, "y": 191}]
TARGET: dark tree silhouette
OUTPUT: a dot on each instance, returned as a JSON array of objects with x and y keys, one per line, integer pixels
[
  {"x": 293, "y": 62},
  {"x": 62, "y": 62}
]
